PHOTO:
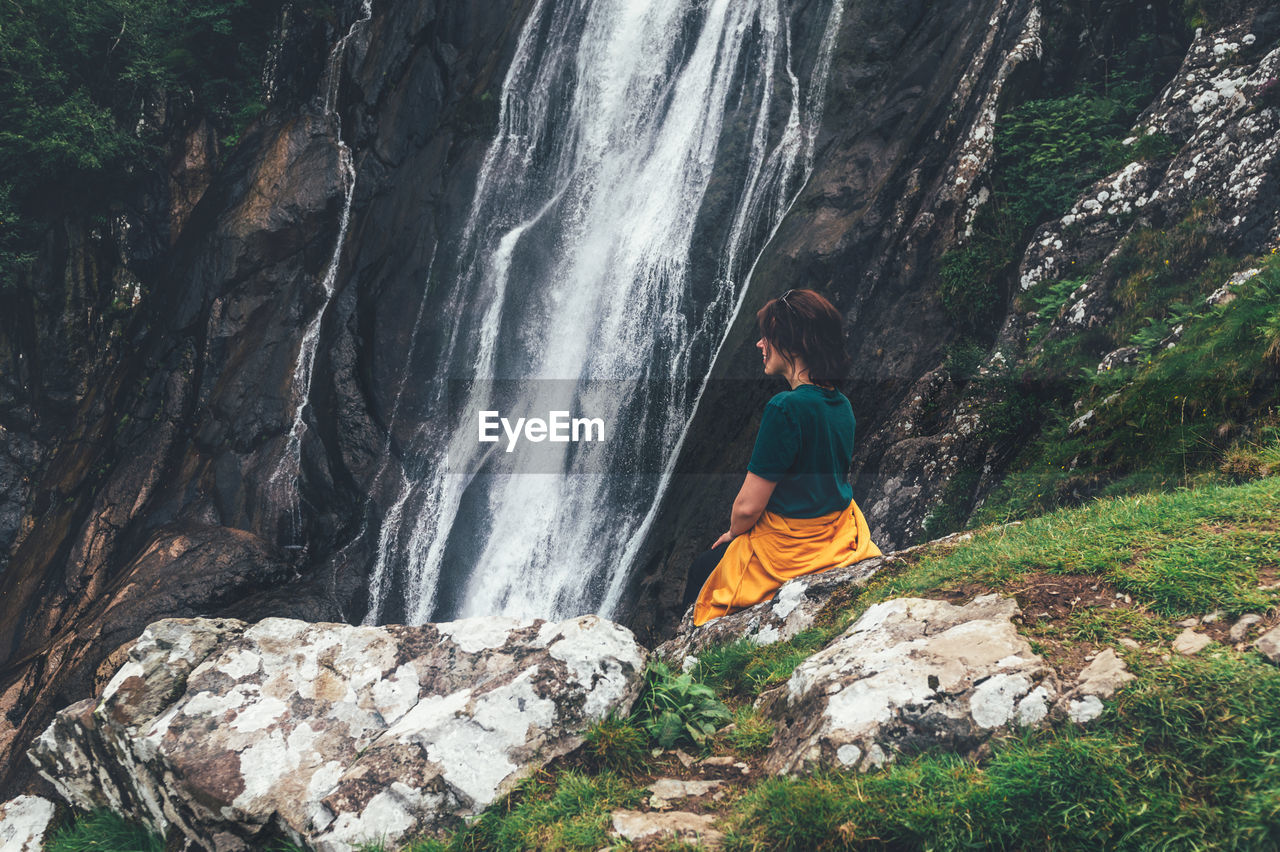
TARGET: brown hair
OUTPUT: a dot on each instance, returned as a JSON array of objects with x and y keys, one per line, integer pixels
[{"x": 802, "y": 324}]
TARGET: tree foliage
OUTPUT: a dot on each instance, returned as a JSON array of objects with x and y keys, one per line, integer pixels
[{"x": 86, "y": 84}]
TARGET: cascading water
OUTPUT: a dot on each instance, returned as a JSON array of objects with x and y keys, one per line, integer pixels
[
  {"x": 646, "y": 152},
  {"x": 283, "y": 485}
]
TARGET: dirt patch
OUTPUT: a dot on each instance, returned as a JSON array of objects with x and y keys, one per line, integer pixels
[
  {"x": 1048, "y": 603},
  {"x": 1269, "y": 577},
  {"x": 1058, "y": 596}
]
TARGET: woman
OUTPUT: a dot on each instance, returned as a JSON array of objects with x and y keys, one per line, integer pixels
[{"x": 795, "y": 513}]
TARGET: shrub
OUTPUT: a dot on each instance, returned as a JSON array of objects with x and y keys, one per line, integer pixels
[
  {"x": 676, "y": 708},
  {"x": 1046, "y": 151},
  {"x": 616, "y": 744}
]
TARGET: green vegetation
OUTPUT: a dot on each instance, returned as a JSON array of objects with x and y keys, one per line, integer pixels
[
  {"x": 676, "y": 708},
  {"x": 1186, "y": 759},
  {"x": 1198, "y": 411},
  {"x": 565, "y": 811},
  {"x": 86, "y": 88},
  {"x": 1211, "y": 14},
  {"x": 957, "y": 501},
  {"x": 1190, "y": 551},
  {"x": 617, "y": 744},
  {"x": 1046, "y": 151},
  {"x": 751, "y": 732},
  {"x": 103, "y": 831},
  {"x": 743, "y": 669}
]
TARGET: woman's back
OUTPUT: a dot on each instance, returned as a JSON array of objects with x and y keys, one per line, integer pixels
[{"x": 805, "y": 444}]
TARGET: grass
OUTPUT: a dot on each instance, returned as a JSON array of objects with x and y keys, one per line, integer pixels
[
  {"x": 566, "y": 811},
  {"x": 1105, "y": 626},
  {"x": 749, "y": 736},
  {"x": 616, "y": 744},
  {"x": 104, "y": 831},
  {"x": 1190, "y": 551},
  {"x": 1188, "y": 757},
  {"x": 745, "y": 669}
]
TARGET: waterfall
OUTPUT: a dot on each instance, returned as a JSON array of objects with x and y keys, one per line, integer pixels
[
  {"x": 646, "y": 152},
  {"x": 283, "y": 484}
]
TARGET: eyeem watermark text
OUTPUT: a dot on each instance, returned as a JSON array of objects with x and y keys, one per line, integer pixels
[{"x": 559, "y": 428}]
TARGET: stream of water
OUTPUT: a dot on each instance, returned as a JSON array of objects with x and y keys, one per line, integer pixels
[
  {"x": 646, "y": 152},
  {"x": 283, "y": 484}
]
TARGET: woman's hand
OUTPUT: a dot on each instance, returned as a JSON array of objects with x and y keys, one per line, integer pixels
[{"x": 721, "y": 540}]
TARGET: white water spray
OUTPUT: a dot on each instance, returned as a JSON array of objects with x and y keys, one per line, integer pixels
[
  {"x": 575, "y": 278},
  {"x": 283, "y": 485}
]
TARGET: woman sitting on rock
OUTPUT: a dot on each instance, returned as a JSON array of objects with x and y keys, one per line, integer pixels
[{"x": 795, "y": 513}]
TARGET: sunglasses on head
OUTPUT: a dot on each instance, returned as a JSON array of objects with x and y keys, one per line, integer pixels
[{"x": 783, "y": 299}]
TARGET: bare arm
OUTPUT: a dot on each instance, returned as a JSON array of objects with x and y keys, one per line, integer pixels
[{"x": 748, "y": 506}]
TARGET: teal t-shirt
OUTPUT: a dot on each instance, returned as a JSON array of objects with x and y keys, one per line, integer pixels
[{"x": 805, "y": 444}]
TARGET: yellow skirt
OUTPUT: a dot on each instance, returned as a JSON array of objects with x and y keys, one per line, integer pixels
[{"x": 778, "y": 549}]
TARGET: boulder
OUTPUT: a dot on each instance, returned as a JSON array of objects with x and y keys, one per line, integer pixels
[
  {"x": 25, "y": 822},
  {"x": 331, "y": 735},
  {"x": 1269, "y": 644},
  {"x": 643, "y": 828},
  {"x": 910, "y": 673},
  {"x": 1190, "y": 643},
  {"x": 791, "y": 610},
  {"x": 1103, "y": 676}
]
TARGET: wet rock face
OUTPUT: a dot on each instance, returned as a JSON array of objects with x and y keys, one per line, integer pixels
[
  {"x": 328, "y": 734},
  {"x": 186, "y": 429},
  {"x": 183, "y": 570},
  {"x": 910, "y": 673},
  {"x": 1216, "y": 112}
]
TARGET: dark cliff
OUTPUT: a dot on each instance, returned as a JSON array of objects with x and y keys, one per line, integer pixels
[{"x": 155, "y": 496}]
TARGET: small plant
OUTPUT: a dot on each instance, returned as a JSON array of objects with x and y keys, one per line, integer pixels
[
  {"x": 617, "y": 744},
  {"x": 751, "y": 731},
  {"x": 962, "y": 361},
  {"x": 676, "y": 708},
  {"x": 1148, "y": 146},
  {"x": 1246, "y": 462},
  {"x": 104, "y": 831},
  {"x": 1053, "y": 296}
]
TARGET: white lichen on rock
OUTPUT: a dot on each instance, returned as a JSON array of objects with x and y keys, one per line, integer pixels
[
  {"x": 331, "y": 733},
  {"x": 909, "y": 670}
]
